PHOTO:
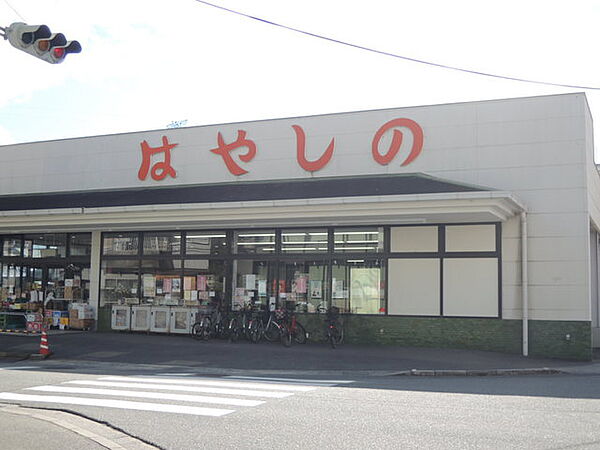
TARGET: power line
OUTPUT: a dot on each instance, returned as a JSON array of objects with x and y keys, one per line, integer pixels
[
  {"x": 15, "y": 11},
  {"x": 394, "y": 55}
]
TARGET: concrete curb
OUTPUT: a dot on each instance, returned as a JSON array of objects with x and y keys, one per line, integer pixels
[
  {"x": 478, "y": 373},
  {"x": 98, "y": 432}
]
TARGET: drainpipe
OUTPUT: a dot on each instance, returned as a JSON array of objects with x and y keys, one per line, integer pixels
[{"x": 524, "y": 284}]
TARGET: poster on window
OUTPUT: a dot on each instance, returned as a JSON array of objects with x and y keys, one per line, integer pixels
[
  {"x": 175, "y": 285},
  {"x": 316, "y": 288},
  {"x": 262, "y": 287},
  {"x": 149, "y": 284},
  {"x": 238, "y": 299},
  {"x": 338, "y": 288},
  {"x": 189, "y": 283},
  {"x": 250, "y": 281},
  {"x": 300, "y": 284},
  {"x": 201, "y": 282}
]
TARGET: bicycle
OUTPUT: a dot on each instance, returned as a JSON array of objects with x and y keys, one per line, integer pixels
[
  {"x": 273, "y": 328},
  {"x": 207, "y": 326},
  {"x": 334, "y": 333},
  {"x": 256, "y": 326},
  {"x": 291, "y": 329},
  {"x": 239, "y": 324}
]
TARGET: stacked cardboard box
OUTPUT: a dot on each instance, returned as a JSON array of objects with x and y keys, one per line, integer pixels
[{"x": 81, "y": 316}]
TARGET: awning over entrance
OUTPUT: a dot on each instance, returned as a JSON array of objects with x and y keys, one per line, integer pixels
[{"x": 397, "y": 199}]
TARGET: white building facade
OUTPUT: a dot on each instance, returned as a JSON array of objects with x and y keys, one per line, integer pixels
[{"x": 470, "y": 225}]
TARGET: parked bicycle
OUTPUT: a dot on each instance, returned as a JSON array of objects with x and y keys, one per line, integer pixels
[
  {"x": 291, "y": 329},
  {"x": 210, "y": 324},
  {"x": 334, "y": 333}
]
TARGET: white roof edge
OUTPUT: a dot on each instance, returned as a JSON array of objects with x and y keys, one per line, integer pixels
[{"x": 515, "y": 203}]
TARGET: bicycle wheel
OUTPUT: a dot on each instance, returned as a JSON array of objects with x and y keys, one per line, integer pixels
[
  {"x": 286, "y": 336},
  {"x": 196, "y": 330},
  {"x": 299, "y": 334},
  {"x": 272, "y": 333},
  {"x": 205, "y": 329},
  {"x": 335, "y": 336},
  {"x": 256, "y": 331},
  {"x": 234, "y": 330}
]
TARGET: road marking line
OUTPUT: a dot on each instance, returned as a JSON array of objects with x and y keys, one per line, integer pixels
[
  {"x": 19, "y": 368},
  {"x": 153, "y": 395},
  {"x": 169, "y": 387},
  {"x": 293, "y": 380},
  {"x": 217, "y": 383},
  {"x": 119, "y": 404}
]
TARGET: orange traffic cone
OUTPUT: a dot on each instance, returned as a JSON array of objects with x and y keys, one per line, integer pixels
[{"x": 44, "y": 347}]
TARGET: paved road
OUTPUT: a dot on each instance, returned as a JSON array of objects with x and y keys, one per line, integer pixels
[
  {"x": 176, "y": 351},
  {"x": 187, "y": 410}
]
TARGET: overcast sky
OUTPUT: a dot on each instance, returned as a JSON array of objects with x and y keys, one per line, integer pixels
[{"x": 148, "y": 63}]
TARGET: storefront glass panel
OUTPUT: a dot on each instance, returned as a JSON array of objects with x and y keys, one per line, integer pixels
[
  {"x": 120, "y": 244},
  {"x": 254, "y": 241},
  {"x": 11, "y": 246},
  {"x": 45, "y": 246},
  {"x": 358, "y": 240},
  {"x": 304, "y": 241},
  {"x": 255, "y": 283},
  {"x": 11, "y": 281},
  {"x": 162, "y": 243},
  {"x": 304, "y": 285},
  {"x": 119, "y": 282},
  {"x": 33, "y": 278},
  {"x": 161, "y": 282},
  {"x": 80, "y": 244},
  {"x": 204, "y": 283},
  {"x": 206, "y": 243},
  {"x": 358, "y": 286}
]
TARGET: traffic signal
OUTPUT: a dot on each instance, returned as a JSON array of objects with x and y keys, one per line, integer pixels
[{"x": 39, "y": 41}]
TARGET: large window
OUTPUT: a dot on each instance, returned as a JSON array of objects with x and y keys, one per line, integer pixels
[
  {"x": 254, "y": 241},
  {"x": 204, "y": 282},
  {"x": 255, "y": 283},
  {"x": 304, "y": 241},
  {"x": 162, "y": 243},
  {"x": 119, "y": 282},
  {"x": 357, "y": 286},
  {"x": 358, "y": 240},
  {"x": 80, "y": 244},
  {"x": 422, "y": 270},
  {"x": 206, "y": 243},
  {"x": 45, "y": 246},
  {"x": 121, "y": 244},
  {"x": 12, "y": 246},
  {"x": 48, "y": 262},
  {"x": 304, "y": 283}
]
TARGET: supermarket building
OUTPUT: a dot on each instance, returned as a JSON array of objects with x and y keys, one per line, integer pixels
[{"x": 468, "y": 225}]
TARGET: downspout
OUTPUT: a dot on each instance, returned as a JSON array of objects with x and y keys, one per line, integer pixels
[{"x": 524, "y": 284}]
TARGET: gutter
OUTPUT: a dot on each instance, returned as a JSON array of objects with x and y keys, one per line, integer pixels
[{"x": 524, "y": 283}]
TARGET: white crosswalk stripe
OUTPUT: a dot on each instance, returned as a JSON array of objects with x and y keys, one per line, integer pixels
[
  {"x": 153, "y": 395},
  {"x": 216, "y": 383},
  {"x": 176, "y": 395},
  {"x": 177, "y": 387},
  {"x": 122, "y": 404}
]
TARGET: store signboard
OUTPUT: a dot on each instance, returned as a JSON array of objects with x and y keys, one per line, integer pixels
[{"x": 371, "y": 142}]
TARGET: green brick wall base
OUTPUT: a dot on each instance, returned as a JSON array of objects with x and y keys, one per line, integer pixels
[
  {"x": 561, "y": 339},
  {"x": 546, "y": 338}
]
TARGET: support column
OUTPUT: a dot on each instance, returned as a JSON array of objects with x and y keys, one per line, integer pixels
[{"x": 95, "y": 272}]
